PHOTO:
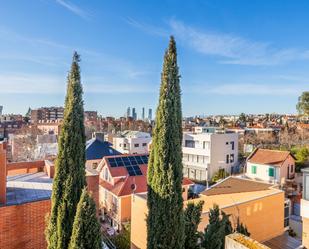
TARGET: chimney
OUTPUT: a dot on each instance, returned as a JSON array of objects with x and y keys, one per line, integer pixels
[
  {"x": 2, "y": 173},
  {"x": 99, "y": 136}
]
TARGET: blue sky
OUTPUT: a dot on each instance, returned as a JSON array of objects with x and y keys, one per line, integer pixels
[{"x": 234, "y": 56}]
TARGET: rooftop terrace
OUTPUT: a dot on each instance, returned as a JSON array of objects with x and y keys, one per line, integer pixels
[{"x": 27, "y": 188}]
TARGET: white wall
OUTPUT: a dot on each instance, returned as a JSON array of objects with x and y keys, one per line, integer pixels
[
  {"x": 262, "y": 172},
  {"x": 129, "y": 148},
  {"x": 209, "y": 154}
]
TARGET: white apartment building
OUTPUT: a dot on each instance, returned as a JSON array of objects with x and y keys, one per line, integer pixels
[
  {"x": 208, "y": 149},
  {"x": 132, "y": 142}
]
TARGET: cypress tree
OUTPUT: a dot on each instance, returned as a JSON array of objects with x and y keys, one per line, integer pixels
[
  {"x": 214, "y": 232},
  {"x": 192, "y": 216},
  {"x": 86, "y": 232},
  {"x": 165, "y": 222},
  {"x": 217, "y": 229},
  {"x": 69, "y": 177},
  {"x": 241, "y": 228}
]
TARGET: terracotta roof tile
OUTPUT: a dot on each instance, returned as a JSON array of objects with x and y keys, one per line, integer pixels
[
  {"x": 123, "y": 182},
  {"x": 269, "y": 157}
]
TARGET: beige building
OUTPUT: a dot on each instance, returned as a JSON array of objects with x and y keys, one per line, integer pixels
[{"x": 258, "y": 205}]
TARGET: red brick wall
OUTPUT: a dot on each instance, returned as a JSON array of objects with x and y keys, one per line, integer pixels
[
  {"x": 24, "y": 167},
  {"x": 2, "y": 174},
  {"x": 22, "y": 226},
  {"x": 93, "y": 187}
]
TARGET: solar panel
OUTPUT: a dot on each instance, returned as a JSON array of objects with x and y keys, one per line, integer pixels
[{"x": 131, "y": 163}]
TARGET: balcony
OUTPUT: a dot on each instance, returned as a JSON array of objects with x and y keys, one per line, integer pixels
[{"x": 195, "y": 151}]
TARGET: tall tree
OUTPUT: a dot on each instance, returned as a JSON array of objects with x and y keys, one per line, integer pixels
[
  {"x": 70, "y": 164},
  {"x": 192, "y": 216},
  {"x": 303, "y": 104},
  {"x": 165, "y": 223},
  {"x": 86, "y": 232}
]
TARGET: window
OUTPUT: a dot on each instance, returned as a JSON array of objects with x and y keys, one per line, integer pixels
[
  {"x": 94, "y": 165},
  {"x": 231, "y": 158},
  {"x": 204, "y": 144},
  {"x": 190, "y": 143},
  {"x": 106, "y": 175},
  {"x": 119, "y": 145},
  {"x": 271, "y": 172},
  {"x": 136, "y": 145},
  {"x": 253, "y": 169},
  {"x": 144, "y": 144},
  {"x": 124, "y": 145},
  {"x": 292, "y": 168},
  {"x": 227, "y": 158},
  {"x": 233, "y": 145}
]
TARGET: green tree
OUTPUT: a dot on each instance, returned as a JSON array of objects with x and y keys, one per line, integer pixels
[
  {"x": 123, "y": 239},
  {"x": 219, "y": 175},
  {"x": 192, "y": 216},
  {"x": 86, "y": 232},
  {"x": 303, "y": 104},
  {"x": 302, "y": 155},
  {"x": 165, "y": 223},
  {"x": 219, "y": 226},
  {"x": 70, "y": 164},
  {"x": 241, "y": 228},
  {"x": 242, "y": 117}
]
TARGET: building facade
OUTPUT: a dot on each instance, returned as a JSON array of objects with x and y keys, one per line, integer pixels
[
  {"x": 132, "y": 142},
  {"x": 120, "y": 177},
  {"x": 259, "y": 206},
  {"x": 47, "y": 114},
  {"x": 206, "y": 150},
  {"x": 271, "y": 166}
]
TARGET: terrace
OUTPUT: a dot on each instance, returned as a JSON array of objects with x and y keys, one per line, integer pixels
[{"x": 29, "y": 187}]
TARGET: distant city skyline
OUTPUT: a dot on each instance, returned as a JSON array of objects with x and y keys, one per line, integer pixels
[{"x": 234, "y": 56}]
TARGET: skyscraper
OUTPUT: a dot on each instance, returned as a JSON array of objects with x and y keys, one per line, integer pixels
[
  {"x": 134, "y": 115},
  {"x": 128, "y": 112},
  {"x": 150, "y": 114},
  {"x": 143, "y": 113},
  {"x": 1, "y": 108}
]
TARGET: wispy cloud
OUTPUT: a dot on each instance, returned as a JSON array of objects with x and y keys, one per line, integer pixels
[
  {"x": 31, "y": 83},
  {"x": 74, "y": 9},
  {"x": 227, "y": 48},
  {"x": 51, "y": 84},
  {"x": 235, "y": 49},
  {"x": 152, "y": 30},
  {"x": 255, "y": 89}
]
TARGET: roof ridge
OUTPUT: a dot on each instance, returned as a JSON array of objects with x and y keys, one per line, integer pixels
[{"x": 124, "y": 183}]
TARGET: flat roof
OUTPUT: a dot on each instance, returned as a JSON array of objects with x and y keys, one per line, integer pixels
[
  {"x": 28, "y": 188},
  {"x": 232, "y": 185}
]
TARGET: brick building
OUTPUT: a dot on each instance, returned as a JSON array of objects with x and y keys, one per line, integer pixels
[
  {"x": 47, "y": 114},
  {"x": 25, "y": 191}
]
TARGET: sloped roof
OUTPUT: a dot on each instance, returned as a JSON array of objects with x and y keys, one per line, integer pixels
[
  {"x": 96, "y": 149},
  {"x": 269, "y": 157},
  {"x": 124, "y": 182},
  {"x": 232, "y": 185}
]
